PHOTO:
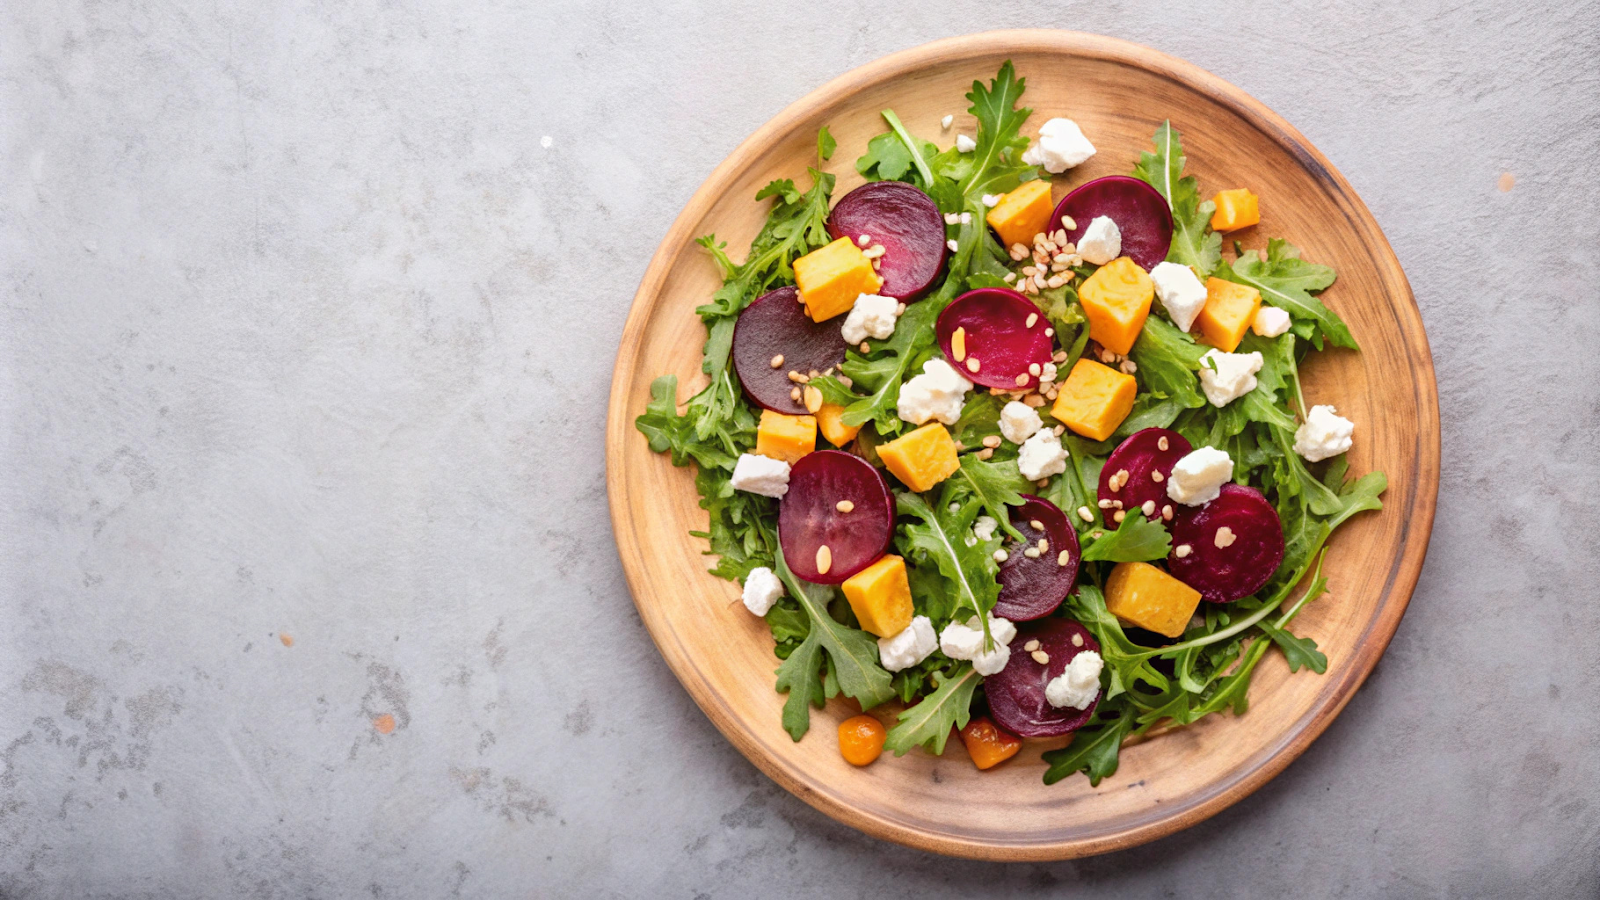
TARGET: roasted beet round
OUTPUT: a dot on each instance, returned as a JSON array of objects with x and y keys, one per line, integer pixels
[
  {"x": 1140, "y": 456},
  {"x": 775, "y": 324},
  {"x": 997, "y": 343},
  {"x": 1139, "y": 210},
  {"x": 1239, "y": 562},
  {"x": 1032, "y": 587},
  {"x": 1016, "y": 693},
  {"x": 906, "y": 223},
  {"x": 809, "y": 517}
]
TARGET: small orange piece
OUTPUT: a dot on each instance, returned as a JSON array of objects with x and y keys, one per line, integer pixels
[
  {"x": 921, "y": 458},
  {"x": 785, "y": 437},
  {"x": 384, "y": 723},
  {"x": 1094, "y": 400},
  {"x": 830, "y": 278},
  {"x": 987, "y": 744},
  {"x": 1116, "y": 298},
  {"x": 1022, "y": 213},
  {"x": 1145, "y": 596},
  {"x": 1230, "y": 309},
  {"x": 835, "y": 430},
  {"x": 1236, "y": 209},
  {"x": 861, "y": 740},
  {"x": 880, "y": 596}
]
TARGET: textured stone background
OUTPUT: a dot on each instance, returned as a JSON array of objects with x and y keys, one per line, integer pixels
[{"x": 309, "y": 311}]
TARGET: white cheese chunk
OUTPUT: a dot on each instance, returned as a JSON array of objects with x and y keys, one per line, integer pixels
[
  {"x": 1198, "y": 477},
  {"x": 1225, "y": 377},
  {"x": 1270, "y": 321},
  {"x": 965, "y": 144},
  {"x": 760, "y": 475},
  {"x": 1180, "y": 292},
  {"x": 1019, "y": 421},
  {"x": 872, "y": 316},
  {"x": 1323, "y": 434},
  {"x": 909, "y": 647},
  {"x": 1079, "y": 684},
  {"x": 983, "y": 527},
  {"x": 1041, "y": 456},
  {"x": 936, "y": 394},
  {"x": 1101, "y": 241},
  {"x": 946, "y": 122},
  {"x": 761, "y": 589},
  {"x": 964, "y": 640},
  {"x": 1061, "y": 146}
]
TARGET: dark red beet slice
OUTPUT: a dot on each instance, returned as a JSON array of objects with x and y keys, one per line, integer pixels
[
  {"x": 774, "y": 324},
  {"x": 809, "y": 516},
  {"x": 906, "y": 223},
  {"x": 1139, "y": 456},
  {"x": 1016, "y": 693},
  {"x": 1222, "y": 574},
  {"x": 996, "y": 333},
  {"x": 1141, "y": 214},
  {"x": 1032, "y": 588}
]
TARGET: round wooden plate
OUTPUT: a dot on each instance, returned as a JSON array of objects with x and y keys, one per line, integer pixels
[{"x": 1119, "y": 92}]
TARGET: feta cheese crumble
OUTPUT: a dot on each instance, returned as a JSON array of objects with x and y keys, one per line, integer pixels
[
  {"x": 1019, "y": 421},
  {"x": 909, "y": 647},
  {"x": 1079, "y": 684},
  {"x": 1323, "y": 434},
  {"x": 965, "y": 144},
  {"x": 1101, "y": 241},
  {"x": 873, "y": 316},
  {"x": 937, "y": 393},
  {"x": 1198, "y": 477},
  {"x": 1180, "y": 292},
  {"x": 964, "y": 640},
  {"x": 761, "y": 589},
  {"x": 1270, "y": 321},
  {"x": 983, "y": 527},
  {"x": 1061, "y": 146},
  {"x": 991, "y": 200},
  {"x": 760, "y": 475},
  {"x": 947, "y": 121},
  {"x": 1225, "y": 377},
  {"x": 1042, "y": 456}
]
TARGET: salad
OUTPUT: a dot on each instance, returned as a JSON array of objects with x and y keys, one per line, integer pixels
[{"x": 1068, "y": 482}]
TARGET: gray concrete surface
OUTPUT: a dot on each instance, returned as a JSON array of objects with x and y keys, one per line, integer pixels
[{"x": 309, "y": 312}]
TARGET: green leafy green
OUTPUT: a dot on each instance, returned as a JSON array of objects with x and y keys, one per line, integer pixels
[
  {"x": 996, "y": 484},
  {"x": 1093, "y": 751},
  {"x": 1193, "y": 241},
  {"x": 939, "y": 534},
  {"x": 1286, "y": 281},
  {"x": 929, "y": 723},
  {"x": 1168, "y": 361},
  {"x": 1136, "y": 539},
  {"x": 825, "y": 144}
]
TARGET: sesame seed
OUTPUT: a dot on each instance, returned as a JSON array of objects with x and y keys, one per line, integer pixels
[
  {"x": 844, "y": 506},
  {"x": 1044, "y": 545},
  {"x": 953, "y": 245},
  {"x": 1077, "y": 640},
  {"x": 1051, "y": 332},
  {"x": 777, "y": 361},
  {"x": 1106, "y": 356},
  {"x": 1156, "y": 476},
  {"x": 1105, "y": 504},
  {"x": 899, "y": 309},
  {"x": 1129, "y": 367},
  {"x": 992, "y": 440},
  {"x": 1085, "y": 514},
  {"x": 1060, "y": 430},
  {"x": 1033, "y": 400},
  {"x": 1063, "y": 558},
  {"x": 1041, "y": 657},
  {"x": 1068, "y": 223},
  {"x": 1033, "y": 369},
  {"x": 1182, "y": 551},
  {"x": 1055, "y": 281},
  {"x": 1028, "y": 271},
  {"x": 1163, "y": 444},
  {"x": 1116, "y": 504},
  {"x": 797, "y": 378},
  {"x": 794, "y": 394},
  {"x": 958, "y": 344},
  {"x": 875, "y": 251},
  {"x": 985, "y": 453},
  {"x": 1032, "y": 318},
  {"x": 1097, "y": 535},
  {"x": 1042, "y": 483},
  {"x": 1123, "y": 476},
  {"x": 1022, "y": 380},
  {"x": 1031, "y": 646},
  {"x": 824, "y": 559},
  {"x": 1166, "y": 512},
  {"x": 1036, "y": 525},
  {"x": 1031, "y": 553},
  {"x": 1009, "y": 277},
  {"x": 1225, "y": 537},
  {"x": 1118, "y": 516},
  {"x": 972, "y": 364},
  {"x": 865, "y": 347},
  {"x": 1149, "y": 508},
  {"x": 1060, "y": 356},
  {"x": 1001, "y": 556}
]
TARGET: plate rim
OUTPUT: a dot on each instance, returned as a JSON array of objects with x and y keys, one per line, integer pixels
[{"x": 1413, "y": 537}]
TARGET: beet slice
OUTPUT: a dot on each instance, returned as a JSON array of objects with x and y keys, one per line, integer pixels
[
  {"x": 906, "y": 223},
  {"x": 1140, "y": 456},
  {"x": 996, "y": 333},
  {"x": 1141, "y": 214},
  {"x": 809, "y": 516},
  {"x": 1222, "y": 574},
  {"x": 775, "y": 324},
  {"x": 1032, "y": 588},
  {"x": 1016, "y": 693}
]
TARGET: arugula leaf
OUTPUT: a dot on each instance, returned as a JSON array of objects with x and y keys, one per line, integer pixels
[
  {"x": 742, "y": 528},
  {"x": 1136, "y": 539},
  {"x": 883, "y": 370},
  {"x": 980, "y": 418},
  {"x": 826, "y": 144},
  {"x": 1300, "y": 652},
  {"x": 997, "y": 484},
  {"x": 893, "y": 154},
  {"x": 1193, "y": 241},
  {"x": 1093, "y": 751},
  {"x": 929, "y": 723},
  {"x": 1168, "y": 361},
  {"x": 1286, "y": 281},
  {"x": 940, "y": 536}
]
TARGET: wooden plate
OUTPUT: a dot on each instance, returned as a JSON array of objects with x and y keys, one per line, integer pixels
[{"x": 1119, "y": 92}]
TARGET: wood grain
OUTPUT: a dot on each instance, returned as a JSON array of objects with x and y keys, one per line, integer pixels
[{"x": 1119, "y": 93}]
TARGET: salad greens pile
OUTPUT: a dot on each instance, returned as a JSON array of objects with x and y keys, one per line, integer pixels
[{"x": 952, "y": 571}]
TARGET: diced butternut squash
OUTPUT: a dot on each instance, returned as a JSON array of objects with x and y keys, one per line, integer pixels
[
  {"x": 1229, "y": 310},
  {"x": 861, "y": 739},
  {"x": 833, "y": 428},
  {"x": 880, "y": 596},
  {"x": 786, "y": 437},
  {"x": 830, "y": 278},
  {"x": 921, "y": 458},
  {"x": 1236, "y": 209},
  {"x": 1022, "y": 213},
  {"x": 1116, "y": 298},
  {"x": 1146, "y": 597},
  {"x": 987, "y": 744},
  {"x": 1094, "y": 400}
]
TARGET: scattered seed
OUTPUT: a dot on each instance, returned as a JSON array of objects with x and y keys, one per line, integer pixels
[
  {"x": 1085, "y": 514},
  {"x": 1162, "y": 443},
  {"x": 1118, "y": 516},
  {"x": 813, "y": 399},
  {"x": 1129, "y": 367},
  {"x": 1022, "y": 380},
  {"x": 1041, "y": 657},
  {"x": 899, "y": 309},
  {"x": 1166, "y": 512},
  {"x": 1001, "y": 556},
  {"x": 824, "y": 559},
  {"x": 958, "y": 344},
  {"x": 844, "y": 506},
  {"x": 1156, "y": 476},
  {"x": 1123, "y": 476},
  {"x": 1042, "y": 483},
  {"x": 1063, "y": 558},
  {"x": 992, "y": 440},
  {"x": 864, "y": 240},
  {"x": 1116, "y": 504},
  {"x": 972, "y": 364},
  {"x": 1032, "y": 318},
  {"x": 1031, "y": 646},
  {"x": 1077, "y": 640},
  {"x": 1182, "y": 551},
  {"x": 1033, "y": 400},
  {"x": 797, "y": 378},
  {"x": 1060, "y": 430},
  {"x": 777, "y": 361},
  {"x": 1107, "y": 357},
  {"x": 794, "y": 394},
  {"x": 1036, "y": 525},
  {"x": 865, "y": 347},
  {"x": 1051, "y": 332},
  {"x": 1033, "y": 369},
  {"x": 1104, "y": 504},
  {"x": 1097, "y": 535},
  {"x": 1149, "y": 509},
  {"x": 1031, "y": 553},
  {"x": 1225, "y": 537},
  {"x": 1060, "y": 356},
  {"x": 1009, "y": 277},
  {"x": 985, "y": 453},
  {"x": 1068, "y": 223},
  {"x": 1044, "y": 545}
]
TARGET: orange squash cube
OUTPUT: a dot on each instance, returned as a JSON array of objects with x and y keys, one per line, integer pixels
[
  {"x": 880, "y": 596},
  {"x": 1094, "y": 400},
  {"x": 987, "y": 744},
  {"x": 833, "y": 428},
  {"x": 921, "y": 458},
  {"x": 830, "y": 278},
  {"x": 786, "y": 437},
  {"x": 1022, "y": 213},
  {"x": 1116, "y": 298},
  {"x": 1146, "y": 597},
  {"x": 1236, "y": 209},
  {"x": 1230, "y": 309}
]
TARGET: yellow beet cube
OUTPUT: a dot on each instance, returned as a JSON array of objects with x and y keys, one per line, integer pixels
[
  {"x": 922, "y": 458},
  {"x": 830, "y": 279},
  {"x": 1229, "y": 310},
  {"x": 1022, "y": 213},
  {"x": 1116, "y": 298},
  {"x": 880, "y": 595},
  {"x": 833, "y": 428},
  {"x": 786, "y": 437},
  {"x": 1094, "y": 400},
  {"x": 1236, "y": 209},
  {"x": 1146, "y": 597}
]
